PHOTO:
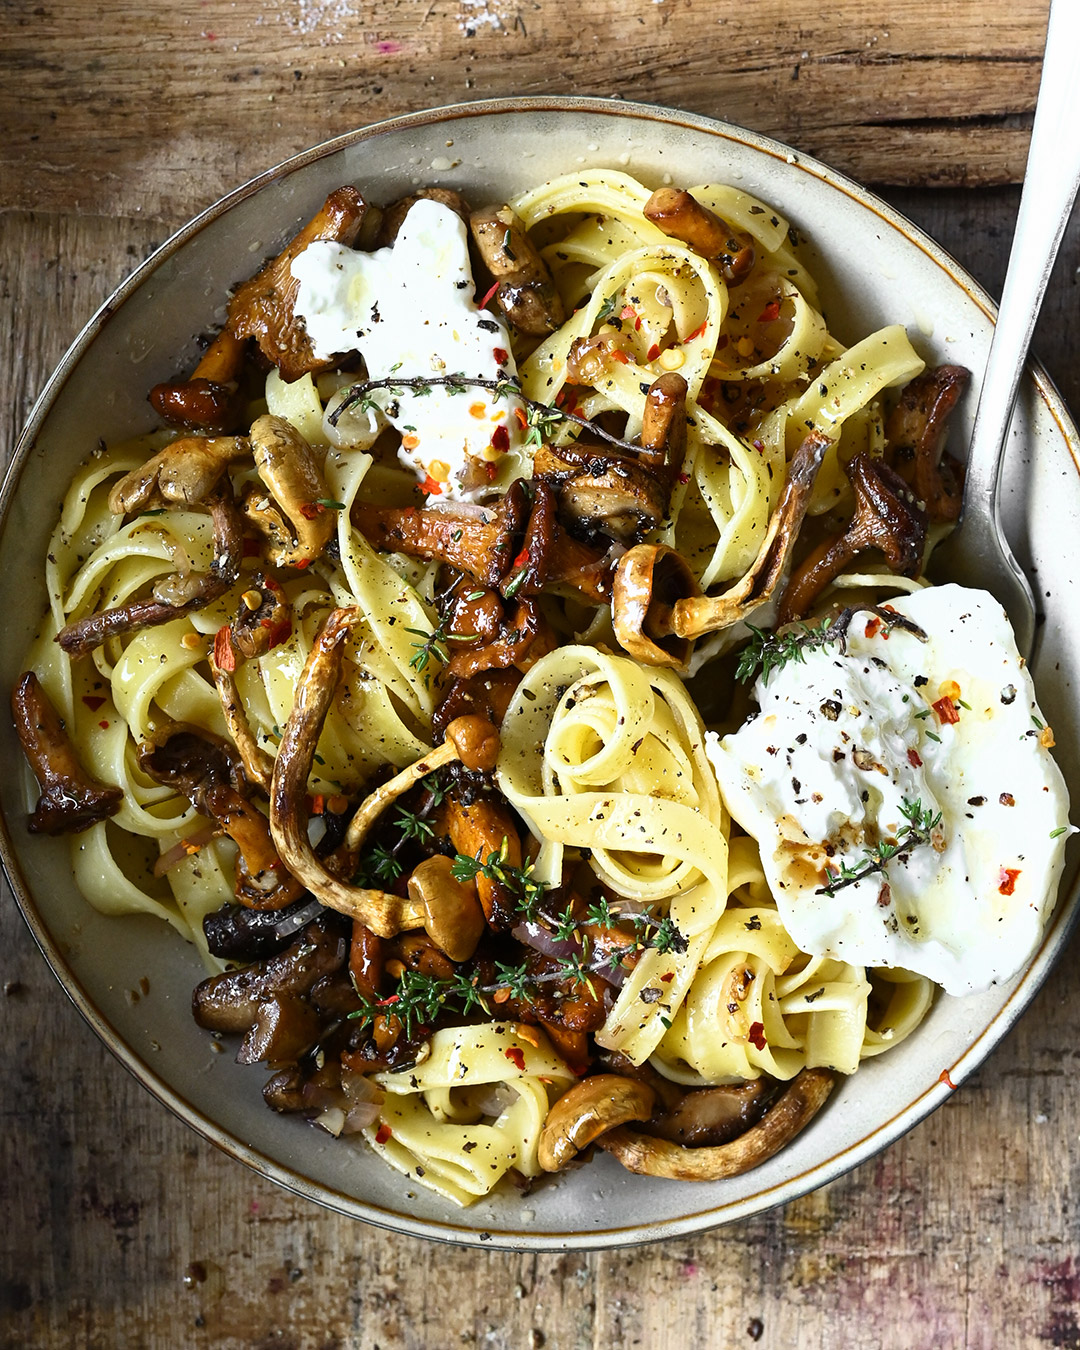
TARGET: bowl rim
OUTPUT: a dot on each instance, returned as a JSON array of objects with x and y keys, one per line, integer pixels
[{"x": 1063, "y": 920}]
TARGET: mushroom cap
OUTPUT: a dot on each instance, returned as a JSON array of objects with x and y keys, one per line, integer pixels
[
  {"x": 649, "y": 580},
  {"x": 588, "y": 1110},
  {"x": 453, "y": 917}
]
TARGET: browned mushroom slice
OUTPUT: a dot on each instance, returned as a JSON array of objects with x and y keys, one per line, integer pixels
[
  {"x": 682, "y": 216},
  {"x": 393, "y": 216},
  {"x": 230, "y": 1002},
  {"x": 527, "y": 293},
  {"x": 657, "y": 605},
  {"x": 915, "y": 436},
  {"x": 619, "y": 494},
  {"x": 285, "y": 1027},
  {"x": 71, "y": 799},
  {"x": 262, "y": 308},
  {"x": 707, "y": 1117},
  {"x": 478, "y": 829},
  {"x": 793, "y": 1111},
  {"x": 263, "y": 619},
  {"x": 586, "y": 1112},
  {"x": 482, "y": 545},
  {"x": 487, "y": 695},
  {"x": 887, "y": 519},
  {"x": 288, "y": 467},
  {"x": 210, "y": 399},
  {"x": 185, "y": 472},
  {"x": 525, "y": 637},
  {"x": 174, "y": 596}
]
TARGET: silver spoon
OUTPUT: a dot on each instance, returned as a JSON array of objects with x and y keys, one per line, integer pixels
[{"x": 977, "y": 552}]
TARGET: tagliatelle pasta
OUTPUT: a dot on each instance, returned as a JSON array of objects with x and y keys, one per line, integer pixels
[{"x": 402, "y": 719}]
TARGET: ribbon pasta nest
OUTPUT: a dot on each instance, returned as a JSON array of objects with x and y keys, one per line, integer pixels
[{"x": 409, "y": 742}]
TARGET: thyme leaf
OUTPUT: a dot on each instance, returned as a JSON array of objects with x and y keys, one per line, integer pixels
[{"x": 921, "y": 824}]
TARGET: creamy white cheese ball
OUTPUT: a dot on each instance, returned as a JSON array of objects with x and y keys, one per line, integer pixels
[{"x": 896, "y": 740}]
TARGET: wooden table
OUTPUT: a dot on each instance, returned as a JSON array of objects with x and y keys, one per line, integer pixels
[{"x": 121, "y": 1228}]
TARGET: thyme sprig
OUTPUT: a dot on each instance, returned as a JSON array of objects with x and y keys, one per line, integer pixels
[
  {"x": 419, "y": 999},
  {"x": 773, "y": 651},
  {"x": 541, "y": 418},
  {"x": 919, "y": 830},
  {"x": 434, "y": 644}
]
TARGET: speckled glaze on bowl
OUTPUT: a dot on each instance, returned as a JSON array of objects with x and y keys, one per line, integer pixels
[{"x": 874, "y": 268}]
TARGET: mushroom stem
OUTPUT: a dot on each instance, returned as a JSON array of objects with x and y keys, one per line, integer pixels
[
  {"x": 258, "y": 766},
  {"x": 71, "y": 799},
  {"x": 385, "y": 914},
  {"x": 793, "y": 1111},
  {"x": 682, "y": 216}
]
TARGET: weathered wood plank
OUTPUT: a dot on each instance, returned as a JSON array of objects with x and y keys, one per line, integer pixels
[
  {"x": 159, "y": 109},
  {"x": 967, "y": 1232}
]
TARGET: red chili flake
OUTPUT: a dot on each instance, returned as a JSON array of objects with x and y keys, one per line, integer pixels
[
  {"x": 270, "y": 584},
  {"x": 500, "y": 996},
  {"x": 1007, "y": 880},
  {"x": 560, "y": 397},
  {"x": 383, "y": 1133},
  {"x": 521, "y": 559},
  {"x": 653, "y": 352},
  {"x": 318, "y": 805},
  {"x": 104, "y": 726},
  {"x": 252, "y": 548},
  {"x": 430, "y": 486},
  {"x": 522, "y": 418},
  {"x": 491, "y": 472},
  {"x": 946, "y": 710},
  {"x": 770, "y": 313},
  {"x": 684, "y": 478},
  {"x": 913, "y": 759},
  {"x": 516, "y": 1056},
  {"x": 279, "y": 632},
  {"x": 628, "y": 312},
  {"x": 666, "y": 979},
  {"x": 482, "y": 304},
  {"x": 502, "y": 355},
  {"x": 873, "y": 628},
  {"x": 224, "y": 656},
  {"x": 391, "y": 998},
  {"x": 309, "y": 510},
  {"x": 944, "y": 1077},
  {"x": 500, "y": 437},
  {"x": 698, "y": 332},
  {"x": 759, "y": 446},
  {"x": 93, "y": 701},
  {"x": 301, "y": 563},
  {"x": 619, "y": 355},
  {"x": 756, "y": 1035}
]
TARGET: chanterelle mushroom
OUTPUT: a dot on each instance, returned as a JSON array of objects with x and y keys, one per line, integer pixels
[
  {"x": 915, "y": 439},
  {"x": 262, "y": 308},
  {"x": 185, "y": 472},
  {"x": 887, "y": 518},
  {"x": 71, "y": 799},
  {"x": 682, "y": 216}
]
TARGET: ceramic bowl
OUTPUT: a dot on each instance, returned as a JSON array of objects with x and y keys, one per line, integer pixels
[{"x": 874, "y": 268}]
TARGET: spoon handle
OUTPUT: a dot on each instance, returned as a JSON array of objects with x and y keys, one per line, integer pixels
[{"x": 1050, "y": 187}]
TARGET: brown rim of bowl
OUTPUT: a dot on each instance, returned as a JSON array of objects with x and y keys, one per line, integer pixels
[{"x": 1062, "y": 921}]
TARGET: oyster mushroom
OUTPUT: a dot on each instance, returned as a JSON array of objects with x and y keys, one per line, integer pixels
[
  {"x": 174, "y": 596},
  {"x": 303, "y": 525},
  {"x": 263, "y": 308},
  {"x": 791, "y": 1113},
  {"x": 526, "y": 292},
  {"x": 185, "y": 472},
  {"x": 71, "y": 798},
  {"x": 470, "y": 739},
  {"x": 915, "y": 439},
  {"x": 657, "y": 606},
  {"x": 682, "y": 216},
  {"x": 887, "y": 518},
  {"x": 586, "y": 1112}
]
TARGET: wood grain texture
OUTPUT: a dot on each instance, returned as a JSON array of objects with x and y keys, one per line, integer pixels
[
  {"x": 121, "y": 1227},
  {"x": 157, "y": 109}
]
